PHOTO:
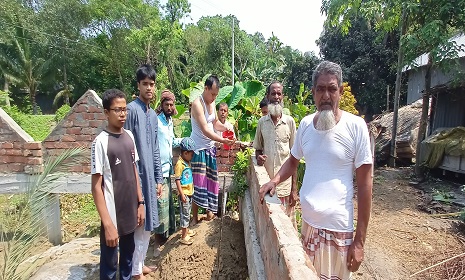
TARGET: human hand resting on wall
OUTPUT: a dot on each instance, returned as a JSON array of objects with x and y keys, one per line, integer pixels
[{"x": 269, "y": 187}]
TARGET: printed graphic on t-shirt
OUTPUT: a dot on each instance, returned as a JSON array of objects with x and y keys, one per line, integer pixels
[{"x": 186, "y": 177}]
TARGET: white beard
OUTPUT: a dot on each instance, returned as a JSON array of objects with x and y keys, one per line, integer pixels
[
  {"x": 326, "y": 120},
  {"x": 275, "y": 110}
]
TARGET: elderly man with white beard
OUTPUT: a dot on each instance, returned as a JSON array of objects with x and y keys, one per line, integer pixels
[
  {"x": 274, "y": 138},
  {"x": 334, "y": 144}
]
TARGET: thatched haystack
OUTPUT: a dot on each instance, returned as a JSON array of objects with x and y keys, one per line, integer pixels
[{"x": 407, "y": 130}]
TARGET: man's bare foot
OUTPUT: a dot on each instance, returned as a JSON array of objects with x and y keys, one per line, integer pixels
[
  {"x": 210, "y": 216},
  {"x": 194, "y": 222},
  {"x": 148, "y": 269},
  {"x": 140, "y": 276}
]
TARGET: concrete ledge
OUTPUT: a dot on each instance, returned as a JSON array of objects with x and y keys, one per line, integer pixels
[
  {"x": 69, "y": 183},
  {"x": 77, "y": 183},
  {"x": 252, "y": 246},
  {"x": 281, "y": 249}
]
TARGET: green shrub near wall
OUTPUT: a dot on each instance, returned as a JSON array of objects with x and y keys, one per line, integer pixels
[
  {"x": 37, "y": 126},
  {"x": 61, "y": 112}
]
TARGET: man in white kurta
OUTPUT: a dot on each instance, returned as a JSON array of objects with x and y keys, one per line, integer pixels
[{"x": 273, "y": 141}]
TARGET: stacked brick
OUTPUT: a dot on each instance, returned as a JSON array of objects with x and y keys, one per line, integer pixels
[
  {"x": 78, "y": 129},
  {"x": 18, "y": 151},
  {"x": 225, "y": 157}
]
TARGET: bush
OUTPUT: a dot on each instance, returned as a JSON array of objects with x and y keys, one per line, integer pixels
[
  {"x": 37, "y": 126},
  {"x": 4, "y": 99},
  {"x": 62, "y": 112},
  {"x": 239, "y": 182},
  {"x": 348, "y": 100}
]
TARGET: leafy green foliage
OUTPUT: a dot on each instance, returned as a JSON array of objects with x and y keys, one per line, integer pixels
[
  {"x": 4, "y": 99},
  {"x": 62, "y": 112},
  {"x": 300, "y": 174},
  {"x": 236, "y": 95},
  {"x": 99, "y": 44},
  {"x": 37, "y": 126},
  {"x": 239, "y": 182},
  {"x": 429, "y": 26},
  {"x": 361, "y": 51},
  {"x": 302, "y": 107}
]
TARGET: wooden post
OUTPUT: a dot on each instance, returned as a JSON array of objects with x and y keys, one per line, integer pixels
[
  {"x": 387, "y": 98},
  {"x": 423, "y": 120}
]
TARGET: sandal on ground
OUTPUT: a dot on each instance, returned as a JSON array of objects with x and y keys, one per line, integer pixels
[
  {"x": 186, "y": 241},
  {"x": 191, "y": 232}
]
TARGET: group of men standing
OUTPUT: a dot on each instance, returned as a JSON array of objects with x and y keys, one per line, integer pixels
[
  {"x": 334, "y": 144},
  {"x": 154, "y": 140}
]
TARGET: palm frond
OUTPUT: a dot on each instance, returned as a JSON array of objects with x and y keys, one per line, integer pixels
[{"x": 19, "y": 240}]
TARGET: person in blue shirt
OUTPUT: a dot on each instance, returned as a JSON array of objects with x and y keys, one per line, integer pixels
[{"x": 167, "y": 141}]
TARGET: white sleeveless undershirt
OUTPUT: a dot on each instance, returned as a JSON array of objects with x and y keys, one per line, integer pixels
[{"x": 201, "y": 140}]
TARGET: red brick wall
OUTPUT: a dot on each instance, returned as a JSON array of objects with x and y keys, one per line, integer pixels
[
  {"x": 79, "y": 128},
  {"x": 18, "y": 151},
  {"x": 224, "y": 158}
]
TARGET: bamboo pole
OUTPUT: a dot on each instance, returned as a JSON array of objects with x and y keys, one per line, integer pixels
[{"x": 403, "y": 27}]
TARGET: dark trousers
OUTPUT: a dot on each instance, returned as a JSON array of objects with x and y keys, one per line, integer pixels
[{"x": 109, "y": 257}]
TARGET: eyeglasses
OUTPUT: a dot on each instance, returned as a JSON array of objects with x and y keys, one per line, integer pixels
[{"x": 120, "y": 110}]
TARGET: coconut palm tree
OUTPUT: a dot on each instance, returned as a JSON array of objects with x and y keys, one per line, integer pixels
[
  {"x": 64, "y": 94},
  {"x": 22, "y": 67},
  {"x": 19, "y": 235}
]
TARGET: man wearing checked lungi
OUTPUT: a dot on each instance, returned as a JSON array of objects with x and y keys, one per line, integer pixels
[{"x": 334, "y": 144}]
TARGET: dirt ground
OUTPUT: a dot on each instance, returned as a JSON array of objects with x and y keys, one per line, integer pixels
[
  {"x": 402, "y": 239},
  {"x": 199, "y": 260}
]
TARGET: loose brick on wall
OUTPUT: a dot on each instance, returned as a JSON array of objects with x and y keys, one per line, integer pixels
[{"x": 33, "y": 145}]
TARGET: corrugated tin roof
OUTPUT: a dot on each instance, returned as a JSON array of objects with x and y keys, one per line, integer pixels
[{"x": 422, "y": 60}]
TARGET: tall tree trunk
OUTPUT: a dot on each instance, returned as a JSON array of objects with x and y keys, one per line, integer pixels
[
  {"x": 171, "y": 77},
  {"x": 32, "y": 94},
  {"x": 147, "y": 58},
  {"x": 393, "y": 155},
  {"x": 65, "y": 80},
  {"x": 6, "y": 88},
  {"x": 419, "y": 170}
]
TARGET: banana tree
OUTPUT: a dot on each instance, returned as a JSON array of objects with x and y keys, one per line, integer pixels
[{"x": 243, "y": 101}]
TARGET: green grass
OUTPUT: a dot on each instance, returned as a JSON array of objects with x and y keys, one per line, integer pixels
[
  {"x": 37, "y": 126},
  {"x": 10, "y": 205},
  {"x": 79, "y": 216},
  {"x": 379, "y": 179},
  {"x": 298, "y": 219}
]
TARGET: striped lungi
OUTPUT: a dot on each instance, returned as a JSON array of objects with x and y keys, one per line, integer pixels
[
  {"x": 327, "y": 251},
  {"x": 164, "y": 207},
  {"x": 205, "y": 176}
]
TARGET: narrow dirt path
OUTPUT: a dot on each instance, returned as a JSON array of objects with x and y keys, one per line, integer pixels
[{"x": 402, "y": 239}]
